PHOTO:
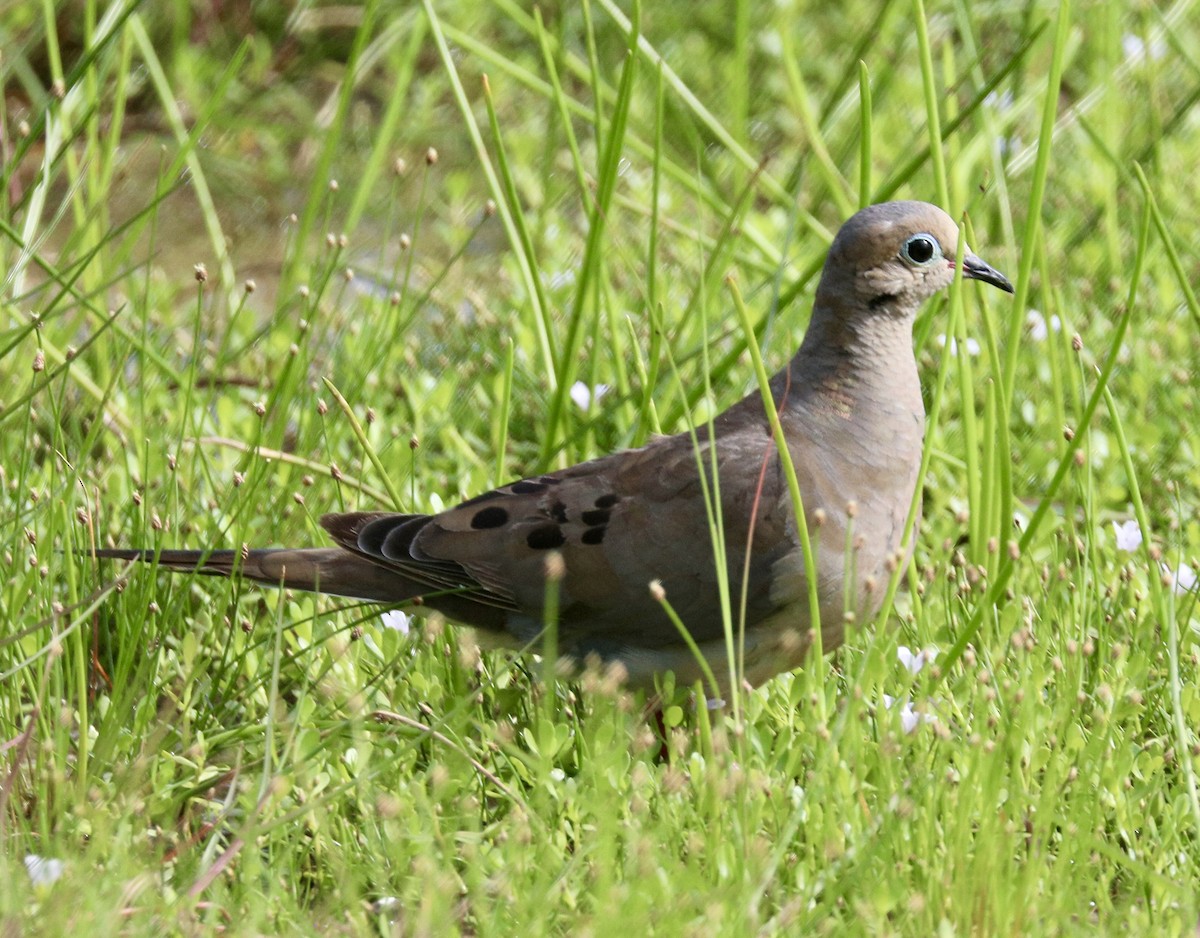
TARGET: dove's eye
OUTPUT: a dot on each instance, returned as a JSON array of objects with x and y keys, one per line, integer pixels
[{"x": 921, "y": 249}]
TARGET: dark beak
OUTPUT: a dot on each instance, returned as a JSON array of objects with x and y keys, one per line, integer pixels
[{"x": 975, "y": 269}]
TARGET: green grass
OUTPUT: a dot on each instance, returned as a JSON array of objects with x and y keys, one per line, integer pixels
[{"x": 204, "y": 755}]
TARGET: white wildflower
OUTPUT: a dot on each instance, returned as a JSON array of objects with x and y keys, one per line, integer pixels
[
  {"x": 1007, "y": 146},
  {"x": 1040, "y": 327},
  {"x": 397, "y": 620},
  {"x": 915, "y": 661},
  {"x": 1135, "y": 48},
  {"x": 563, "y": 279},
  {"x": 1128, "y": 535},
  {"x": 910, "y": 719},
  {"x": 43, "y": 871},
  {"x": 999, "y": 101},
  {"x": 1183, "y": 580},
  {"x": 585, "y": 396},
  {"x": 949, "y": 342}
]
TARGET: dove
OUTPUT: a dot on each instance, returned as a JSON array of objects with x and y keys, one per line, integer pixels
[{"x": 600, "y": 533}]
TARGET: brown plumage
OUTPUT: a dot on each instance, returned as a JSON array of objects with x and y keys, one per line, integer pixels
[{"x": 851, "y": 411}]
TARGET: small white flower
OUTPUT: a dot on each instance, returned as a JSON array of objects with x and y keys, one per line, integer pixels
[
  {"x": 1128, "y": 535},
  {"x": 395, "y": 619},
  {"x": 1135, "y": 47},
  {"x": 562, "y": 279},
  {"x": 43, "y": 871},
  {"x": 771, "y": 43},
  {"x": 915, "y": 661},
  {"x": 949, "y": 342},
  {"x": 1007, "y": 146},
  {"x": 909, "y": 718},
  {"x": 1183, "y": 580},
  {"x": 1039, "y": 327},
  {"x": 585, "y": 396},
  {"x": 1000, "y": 101}
]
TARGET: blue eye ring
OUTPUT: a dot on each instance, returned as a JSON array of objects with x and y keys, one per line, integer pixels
[{"x": 921, "y": 249}]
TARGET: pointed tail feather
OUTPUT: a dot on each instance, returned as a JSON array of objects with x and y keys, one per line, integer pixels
[{"x": 329, "y": 570}]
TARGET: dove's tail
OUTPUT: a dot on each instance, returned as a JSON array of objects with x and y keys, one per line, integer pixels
[{"x": 329, "y": 570}]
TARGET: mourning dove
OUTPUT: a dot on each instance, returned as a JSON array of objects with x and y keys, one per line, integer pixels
[{"x": 850, "y": 406}]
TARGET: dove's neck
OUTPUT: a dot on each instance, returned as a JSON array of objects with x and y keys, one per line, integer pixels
[{"x": 856, "y": 366}]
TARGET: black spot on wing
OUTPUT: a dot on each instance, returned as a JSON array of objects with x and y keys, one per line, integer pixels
[
  {"x": 558, "y": 511},
  {"x": 607, "y": 501},
  {"x": 593, "y": 535},
  {"x": 522, "y": 487},
  {"x": 546, "y": 537},
  {"x": 491, "y": 517},
  {"x": 595, "y": 516}
]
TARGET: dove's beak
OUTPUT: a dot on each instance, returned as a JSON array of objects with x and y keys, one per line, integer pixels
[{"x": 974, "y": 268}]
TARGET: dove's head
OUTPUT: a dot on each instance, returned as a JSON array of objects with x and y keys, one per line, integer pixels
[{"x": 893, "y": 256}]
